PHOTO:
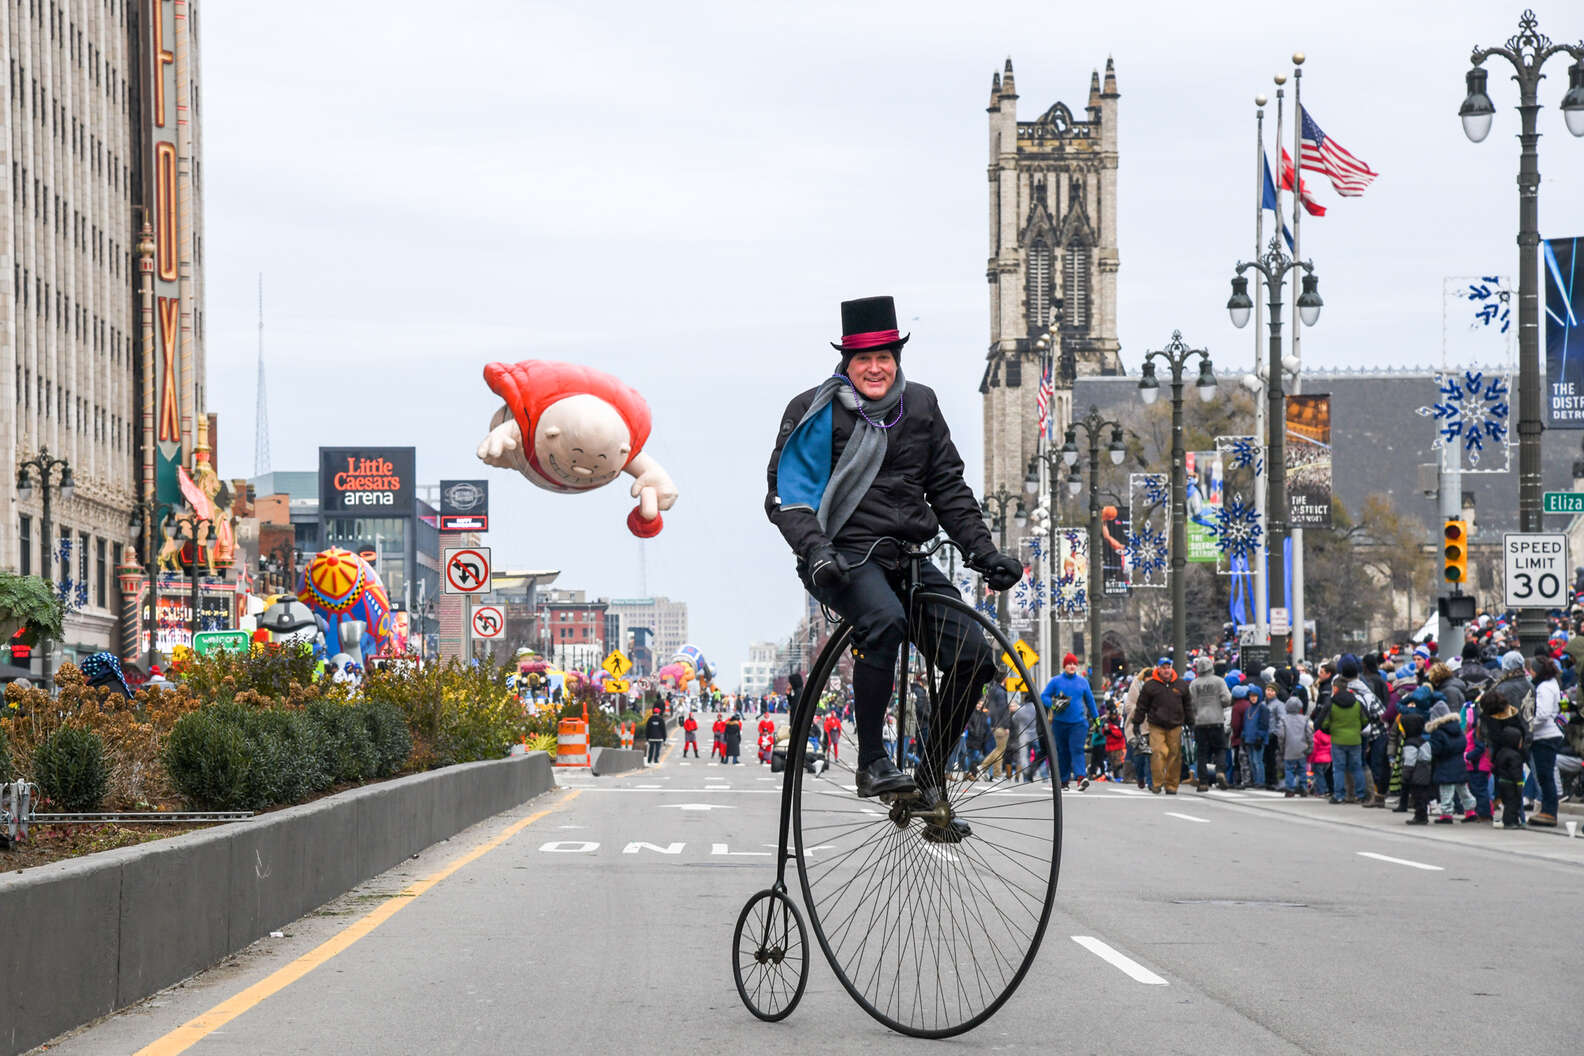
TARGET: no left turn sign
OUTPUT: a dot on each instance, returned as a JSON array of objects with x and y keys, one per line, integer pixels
[
  {"x": 488, "y": 622},
  {"x": 467, "y": 570}
]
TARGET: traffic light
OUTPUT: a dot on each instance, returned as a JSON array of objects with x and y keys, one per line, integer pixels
[{"x": 1454, "y": 543}]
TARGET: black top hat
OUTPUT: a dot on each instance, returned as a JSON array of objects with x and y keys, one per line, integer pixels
[{"x": 869, "y": 323}]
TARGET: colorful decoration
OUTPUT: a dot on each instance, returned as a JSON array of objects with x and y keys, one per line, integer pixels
[
  {"x": 1237, "y": 530},
  {"x": 1030, "y": 596},
  {"x": 1146, "y": 551},
  {"x": 569, "y": 428},
  {"x": 1472, "y": 410},
  {"x": 350, "y": 602},
  {"x": 1069, "y": 582}
]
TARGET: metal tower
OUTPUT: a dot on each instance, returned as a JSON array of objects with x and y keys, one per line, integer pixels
[{"x": 261, "y": 451}]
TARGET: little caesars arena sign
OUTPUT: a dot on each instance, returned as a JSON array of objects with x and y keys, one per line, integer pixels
[{"x": 359, "y": 481}]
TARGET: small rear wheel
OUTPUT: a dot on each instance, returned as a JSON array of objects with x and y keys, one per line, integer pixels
[{"x": 770, "y": 955}]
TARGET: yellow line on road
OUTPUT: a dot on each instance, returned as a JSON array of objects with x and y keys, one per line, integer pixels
[{"x": 194, "y": 1030}]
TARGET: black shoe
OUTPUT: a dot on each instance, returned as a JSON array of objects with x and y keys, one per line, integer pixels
[
  {"x": 1083, "y": 785},
  {"x": 881, "y": 777},
  {"x": 954, "y": 831}
]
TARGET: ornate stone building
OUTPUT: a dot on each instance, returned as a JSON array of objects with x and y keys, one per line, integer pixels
[{"x": 1053, "y": 262}]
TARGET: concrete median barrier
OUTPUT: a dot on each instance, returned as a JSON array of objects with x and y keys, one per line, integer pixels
[
  {"x": 615, "y": 761},
  {"x": 81, "y": 938}
]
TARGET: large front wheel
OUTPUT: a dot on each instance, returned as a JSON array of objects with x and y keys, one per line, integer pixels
[{"x": 931, "y": 930}]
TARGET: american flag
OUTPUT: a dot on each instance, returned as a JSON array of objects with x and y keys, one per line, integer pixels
[
  {"x": 1047, "y": 389},
  {"x": 1321, "y": 153}
]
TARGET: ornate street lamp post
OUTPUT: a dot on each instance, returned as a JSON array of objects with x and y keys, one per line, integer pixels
[
  {"x": 1092, "y": 424},
  {"x": 1274, "y": 266},
  {"x": 1176, "y": 356},
  {"x": 42, "y": 466},
  {"x": 1527, "y": 51},
  {"x": 996, "y": 521}
]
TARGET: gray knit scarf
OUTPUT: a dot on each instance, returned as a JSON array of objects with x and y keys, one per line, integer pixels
[{"x": 860, "y": 460}]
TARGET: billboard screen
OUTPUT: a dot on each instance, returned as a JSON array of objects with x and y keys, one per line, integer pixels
[
  {"x": 365, "y": 481},
  {"x": 464, "y": 505}
]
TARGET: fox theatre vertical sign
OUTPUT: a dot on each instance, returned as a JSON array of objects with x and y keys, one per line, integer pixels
[{"x": 170, "y": 370}]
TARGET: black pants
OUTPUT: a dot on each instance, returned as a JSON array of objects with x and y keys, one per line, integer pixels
[
  {"x": 952, "y": 644},
  {"x": 654, "y": 750},
  {"x": 1209, "y": 744}
]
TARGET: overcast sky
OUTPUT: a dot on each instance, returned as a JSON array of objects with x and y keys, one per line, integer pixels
[{"x": 683, "y": 195}]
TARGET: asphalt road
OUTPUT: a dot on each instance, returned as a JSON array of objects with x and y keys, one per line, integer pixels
[{"x": 598, "y": 919}]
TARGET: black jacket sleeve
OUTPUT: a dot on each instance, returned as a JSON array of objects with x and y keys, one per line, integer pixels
[
  {"x": 948, "y": 492},
  {"x": 800, "y": 528}
]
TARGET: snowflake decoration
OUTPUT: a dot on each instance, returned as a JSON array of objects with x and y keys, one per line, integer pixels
[
  {"x": 987, "y": 606},
  {"x": 1237, "y": 528},
  {"x": 1498, "y": 302},
  {"x": 1157, "y": 490},
  {"x": 1036, "y": 547},
  {"x": 965, "y": 586},
  {"x": 1245, "y": 453},
  {"x": 1146, "y": 551},
  {"x": 1030, "y": 596},
  {"x": 1068, "y": 596},
  {"x": 1472, "y": 411}
]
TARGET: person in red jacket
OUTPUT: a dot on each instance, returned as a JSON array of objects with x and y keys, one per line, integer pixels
[
  {"x": 1115, "y": 742},
  {"x": 766, "y": 725},
  {"x": 833, "y": 730},
  {"x": 690, "y": 730},
  {"x": 719, "y": 729}
]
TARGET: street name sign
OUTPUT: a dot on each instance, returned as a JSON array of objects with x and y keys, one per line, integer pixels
[
  {"x": 467, "y": 570},
  {"x": 1535, "y": 566},
  {"x": 1563, "y": 502}
]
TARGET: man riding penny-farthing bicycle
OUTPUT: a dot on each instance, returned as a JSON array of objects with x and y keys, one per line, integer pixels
[{"x": 906, "y": 882}]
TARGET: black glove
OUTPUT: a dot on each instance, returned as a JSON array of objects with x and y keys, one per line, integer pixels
[
  {"x": 827, "y": 568},
  {"x": 1001, "y": 571}
]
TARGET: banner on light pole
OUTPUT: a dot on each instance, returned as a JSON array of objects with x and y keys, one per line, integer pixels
[
  {"x": 1204, "y": 487},
  {"x": 1564, "y": 332},
  {"x": 1309, "y": 461}
]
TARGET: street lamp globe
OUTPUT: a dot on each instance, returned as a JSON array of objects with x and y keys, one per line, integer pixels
[
  {"x": 1309, "y": 302},
  {"x": 1207, "y": 381},
  {"x": 1477, "y": 109},
  {"x": 1069, "y": 448},
  {"x": 1043, "y": 343},
  {"x": 1116, "y": 450},
  {"x": 1020, "y": 516},
  {"x": 1149, "y": 385},
  {"x": 1573, "y": 101},
  {"x": 24, "y": 485},
  {"x": 989, "y": 517},
  {"x": 67, "y": 487},
  {"x": 1240, "y": 305},
  {"x": 1074, "y": 483},
  {"x": 1031, "y": 477}
]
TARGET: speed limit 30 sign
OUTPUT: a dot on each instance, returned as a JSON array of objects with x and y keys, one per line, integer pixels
[{"x": 1536, "y": 569}]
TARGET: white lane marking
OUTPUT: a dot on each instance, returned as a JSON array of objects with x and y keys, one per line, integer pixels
[
  {"x": 937, "y": 852},
  {"x": 721, "y": 849},
  {"x": 571, "y": 826},
  {"x": 1131, "y": 968},
  {"x": 640, "y": 845},
  {"x": 648, "y": 788},
  {"x": 569, "y": 847},
  {"x": 1400, "y": 861},
  {"x": 696, "y": 806},
  {"x": 1187, "y": 817}
]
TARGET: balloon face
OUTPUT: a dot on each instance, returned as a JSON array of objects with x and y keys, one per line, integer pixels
[{"x": 582, "y": 442}]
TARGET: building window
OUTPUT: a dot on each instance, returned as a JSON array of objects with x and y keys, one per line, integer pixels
[
  {"x": 25, "y": 541},
  {"x": 99, "y": 573},
  {"x": 82, "y": 561},
  {"x": 1038, "y": 291},
  {"x": 1075, "y": 286}
]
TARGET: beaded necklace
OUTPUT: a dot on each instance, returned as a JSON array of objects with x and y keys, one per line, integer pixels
[{"x": 858, "y": 399}]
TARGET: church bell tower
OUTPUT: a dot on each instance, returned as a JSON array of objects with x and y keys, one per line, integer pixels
[{"x": 1053, "y": 262}]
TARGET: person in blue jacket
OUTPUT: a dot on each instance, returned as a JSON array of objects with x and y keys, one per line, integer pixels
[{"x": 1070, "y": 721}]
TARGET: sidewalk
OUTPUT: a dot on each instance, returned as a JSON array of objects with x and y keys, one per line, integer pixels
[{"x": 1549, "y": 844}]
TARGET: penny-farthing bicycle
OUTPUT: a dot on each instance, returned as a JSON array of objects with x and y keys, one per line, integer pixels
[{"x": 929, "y": 930}]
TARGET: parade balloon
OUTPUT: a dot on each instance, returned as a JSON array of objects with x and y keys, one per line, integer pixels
[
  {"x": 351, "y": 604},
  {"x": 569, "y": 428}
]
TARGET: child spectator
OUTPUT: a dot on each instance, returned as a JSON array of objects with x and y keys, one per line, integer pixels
[
  {"x": 1320, "y": 763},
  {"x": 1447, "y": 745}
]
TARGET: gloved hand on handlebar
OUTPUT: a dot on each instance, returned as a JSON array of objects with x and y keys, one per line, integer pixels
[
  {"x": 1001, "y": 571},
  {"x": 826, "y": 567}
]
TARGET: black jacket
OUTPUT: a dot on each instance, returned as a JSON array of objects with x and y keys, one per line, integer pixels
[
  {"x": 655, "y": 728},
  {"x": 919, "y": 489}
]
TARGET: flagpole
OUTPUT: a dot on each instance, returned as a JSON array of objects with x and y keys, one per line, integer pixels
[
  {"x": 1269, "y": 595},
  {"x": 1261, "y": 634},
  {"x": 1297, "y": 534}
]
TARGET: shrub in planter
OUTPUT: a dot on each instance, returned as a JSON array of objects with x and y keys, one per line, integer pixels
[
  {"x": 387, "y": 728},
  {"x": 69, "y": 767},
  {"x": 346, "y": 750},
  {"x": 285, "y": 767},
  {"x": 209, "y": 760},
  {"x": 5, "y": 758}
]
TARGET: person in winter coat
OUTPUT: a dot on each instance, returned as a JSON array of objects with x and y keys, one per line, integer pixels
[
  {"x": 1506, "y": 736},
  {"x": 1211, "y": 700},
  {"x": 1115, "y": 742},
  {"x": 1447, "y": 745},
  {"x": 1473, "y": 672},
  {"x": 1000, "y": 712},
  {"x": 1021, "y": 738},
  {"x": 1417, "y": 767},
  {"x": 1545, "y": 738},
  {"x": 1320, "y": 763},
  {"x": 655, "y": 734},
  {"x": 1161, "y": 703},
  {"x": 1240, "y": 705},
  {"x": 719, "y": 730},
  {"x": 833, "y": 734},
  {"x": 689, "y": 734},
  {"x": 732, "y": 738},
  {"x": 1477, "y": 762},
  {"x": 1070, "y": 720},
  {"x": 1344, "y": 723},
  {"x": 1296, "y": 738},
  {"x": 1256, "y": 731},
  {"x": 1450, "y": 685}
]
